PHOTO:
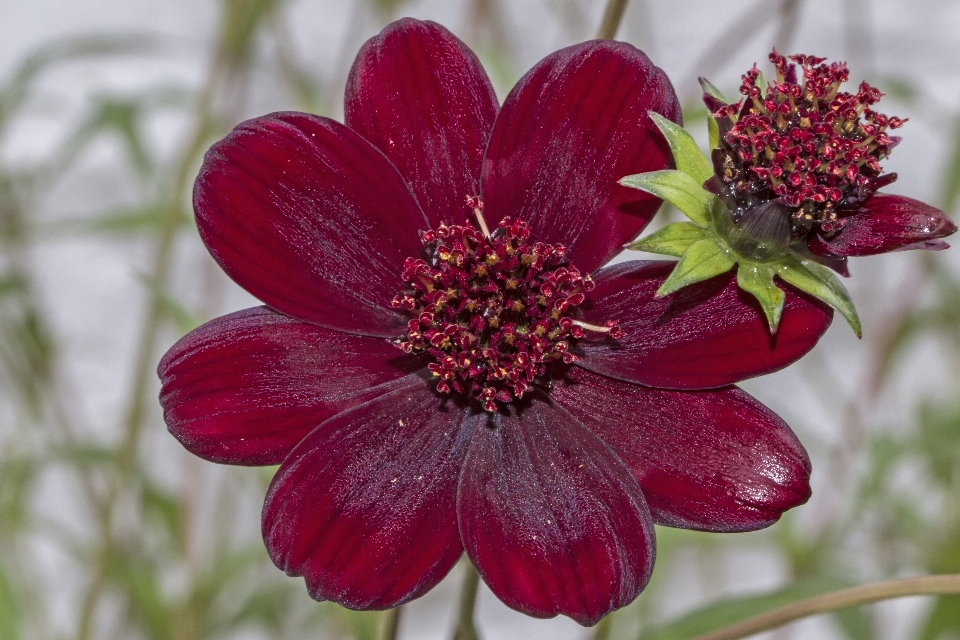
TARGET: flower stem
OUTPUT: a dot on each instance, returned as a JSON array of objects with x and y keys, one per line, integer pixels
[
  {"x": 466, "y": 629},
  {"x": 227, "y": 64},
  {"x": 837, "y": 600},
  {"x": 391, "y": 623},
  {"x": 611, "y": 19}
]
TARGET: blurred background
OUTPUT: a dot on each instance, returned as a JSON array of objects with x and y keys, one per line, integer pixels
[{"x": 110, "y": 530}]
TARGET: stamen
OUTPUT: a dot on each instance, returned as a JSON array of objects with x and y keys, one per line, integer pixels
[
  {"x": 492, "y": 313},
  {"x": 806, "y": 143},
  {"x": 592, "y": 327},
  {"x": 474, "y": 203}
]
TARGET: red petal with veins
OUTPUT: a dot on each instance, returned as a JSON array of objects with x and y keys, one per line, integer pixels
[
  {"x": 573, "y": 126},
  {"x": 311, "y": 218},
  {"x": 552, "y": 520},
  {"x": 247, "y": 387},
  {"x": 708, "y": 460},
  {"x": 706, "y": 335},
  {"x": 365, "y": 507},
  {"x": 887, "y": 223},
  {"x": 420, "y": 95}
]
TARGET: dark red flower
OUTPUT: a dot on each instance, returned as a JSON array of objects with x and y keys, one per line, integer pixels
[
  {"x": 518, "y": 418},
  {"x": 816, "y": 151}
]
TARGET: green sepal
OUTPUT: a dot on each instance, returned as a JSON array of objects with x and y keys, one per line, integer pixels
[
  {"x": 757, "y": 280},
  {"x": 761, "y": 82},
  {"x": 820, "y": 282},
  {"x": 709, "y": 88},
  {"x": 677, "y": 188},
  {"x": 702, "y": 260},
  {"x": 713, "y": 130},
  {"x": 672, "y": 240},
  {"x": 686, "y": 153}
]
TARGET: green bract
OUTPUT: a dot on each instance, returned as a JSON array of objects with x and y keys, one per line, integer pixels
[
  {"x": 677, "y": 188},
  {"x": 712, "y": 244}
]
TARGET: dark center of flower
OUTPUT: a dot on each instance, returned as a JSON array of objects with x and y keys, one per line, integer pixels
[
  {"x": 492, "y": 312},
  {"x": 809, "y": 146}
]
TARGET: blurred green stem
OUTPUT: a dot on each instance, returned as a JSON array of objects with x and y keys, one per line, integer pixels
[
  {"x": 238, "y": 20},
  {"x": 611, "y": 19},
  {"x": 836, "y": 601},
  {"x": 143, "y": 367},
  {"x": 466, "y": 629},
  {"x": 391, "y": 623}
]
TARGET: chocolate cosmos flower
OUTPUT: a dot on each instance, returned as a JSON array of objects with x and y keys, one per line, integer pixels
[
  {"x": 428, "y": 387},
  {"x": 816, "y": 150},
  {"x": 792, "y": 190}
]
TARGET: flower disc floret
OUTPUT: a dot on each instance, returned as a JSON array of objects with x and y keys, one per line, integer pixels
[
  {"x": 491, "y": 313},
  {"x": 804, "y": 141}
]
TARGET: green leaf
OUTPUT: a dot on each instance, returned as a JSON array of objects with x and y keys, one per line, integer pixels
[
  {"x": 17, "y": 91},
  {"x": 12, "y": 284},
  {"x": 140, "y": 582},
  {"x": 703, "y": 260},
  {"x": 757, "y": 280},
  {"x": 10, "y": 608},
  {"x": 951, "y": 176},
  {"x": 671, "y": 240},
  {"x": 686, "y": 154},
  {"x": 677, "y": 188},
  {"x": 709, "y": 88},
  {"x": 728, "y": 612},
  {"x": 164, "y": 507},
  {"x": 137, "y": 220},
  {"x": 184, "y": 319},
  {"x": 820, "y": 282},
  {"x": 363, "y": 625},
  {"x": 943, "y": 620}
]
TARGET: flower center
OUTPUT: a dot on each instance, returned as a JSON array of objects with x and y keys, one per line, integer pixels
[
  {"x": 810, "y": 146},
  {"x": 492, "y": 312}
]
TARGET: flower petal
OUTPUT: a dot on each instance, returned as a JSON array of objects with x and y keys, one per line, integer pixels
[
  {"x": 573, "y": 126},
  {"x": 887, "y": 223},
  {"x": 312, "y": 219},
  {"x": 552, "y": 520},
  {"x": 421, "y": 96},
  {"x": 365, "y": 507},
  {"x": 706, "y": 335},
  {"x": 247, "y": 387},
  {"x": 708, "y": 460}
]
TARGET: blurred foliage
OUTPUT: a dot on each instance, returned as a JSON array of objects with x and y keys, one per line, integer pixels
[{"x": 144, "y": 556}]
